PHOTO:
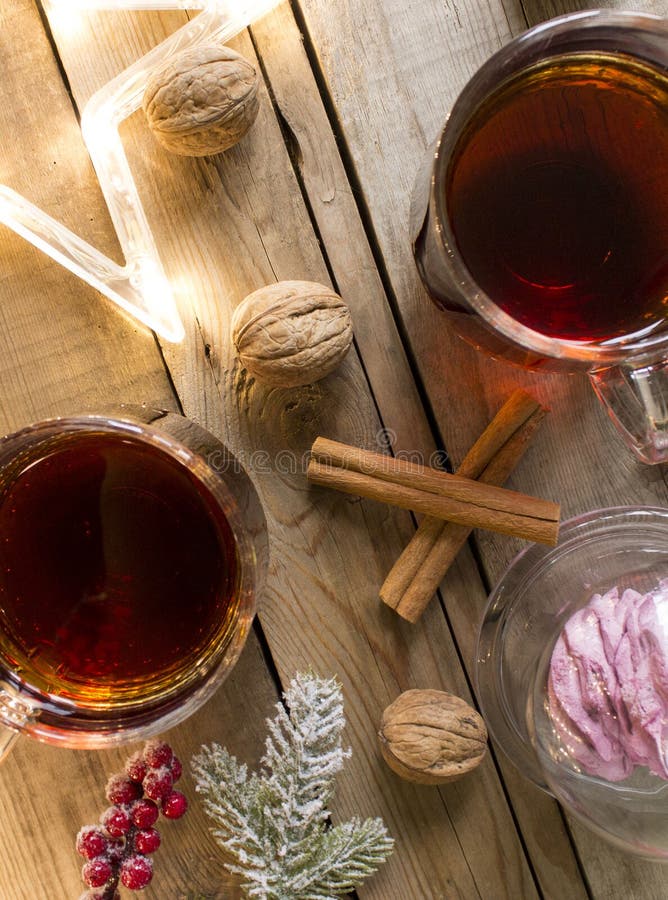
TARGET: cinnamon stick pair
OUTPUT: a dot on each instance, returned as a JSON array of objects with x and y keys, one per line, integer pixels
[
  {"x": 454, "y": 498},
  {"x": 472, "y": 498}
]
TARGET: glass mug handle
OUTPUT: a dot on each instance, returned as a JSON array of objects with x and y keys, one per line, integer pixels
[
  {"x": 15, "y": 714},
  {"x": 637, "y": 402}
]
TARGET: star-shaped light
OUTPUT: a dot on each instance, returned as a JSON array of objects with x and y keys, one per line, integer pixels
[{"x": 140, "y": 286}]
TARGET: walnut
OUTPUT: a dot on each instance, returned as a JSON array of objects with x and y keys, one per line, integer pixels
[
  {"x": 202, "y": 101},
  {"x": 431, "y": 737},
  {"x": 292, "y": 333}
]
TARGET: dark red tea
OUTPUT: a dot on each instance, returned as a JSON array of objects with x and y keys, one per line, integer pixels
[
  {"x": 558, "y": 197},
  {"x": 117, "y": 569}
]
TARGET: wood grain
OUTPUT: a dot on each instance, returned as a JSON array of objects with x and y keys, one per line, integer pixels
[
  {"x": 242, "y": 222},
  {"x": 64, "y": 348},
  {"x": 425, "y": 53},
  {"x": 543, "y": 828},
  {"x": 225, "y": 226},
  {"x": 334, "y": 206}
]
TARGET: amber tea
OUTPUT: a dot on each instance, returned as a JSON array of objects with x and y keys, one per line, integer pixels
[
  {"x": 117, "y": 569},
  {"x": 557, "y": 196}
]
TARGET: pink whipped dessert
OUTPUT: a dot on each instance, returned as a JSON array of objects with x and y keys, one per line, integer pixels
[{"x": 608, "y": 684}]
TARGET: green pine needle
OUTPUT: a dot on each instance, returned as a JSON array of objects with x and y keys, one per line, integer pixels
[{"x": 274, "y": 824}]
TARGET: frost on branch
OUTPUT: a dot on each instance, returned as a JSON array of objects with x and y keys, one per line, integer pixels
[{"x": 274, "y": 823}]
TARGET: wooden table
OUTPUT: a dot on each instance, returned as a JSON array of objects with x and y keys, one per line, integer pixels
[{"x": 354, "y": 91}]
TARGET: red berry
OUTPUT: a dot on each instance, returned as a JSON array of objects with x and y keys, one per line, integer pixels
[
  {"x": 144, "y": 813},
  {"x": 147, "y": 841},
  {"x": 91, "y": 842},
  {"x": 96, "y": 872},
  {"x": 174, "y": 805},
  {"x": 136, "y": 872},
  {"x": 157, "y": 753},
  {"x": 135, "y": 767},
  {"x": 158, "y": 783},
  {"x": 121, "y": 790},
  {"x": 116, "y": 820},
  {"x": 176, "y": 769}
]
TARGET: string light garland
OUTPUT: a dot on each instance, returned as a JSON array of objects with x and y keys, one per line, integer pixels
[{"x": 140, "y": 286}]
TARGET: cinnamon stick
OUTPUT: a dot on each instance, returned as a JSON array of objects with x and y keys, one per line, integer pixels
[
  {"x": 399, "y": 492},
  {"x": 415, "y": 577},
  {"x": 401, "y": 472}
]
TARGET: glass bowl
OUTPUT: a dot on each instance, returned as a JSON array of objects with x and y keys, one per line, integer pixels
[{"x": 571, "y": 754}]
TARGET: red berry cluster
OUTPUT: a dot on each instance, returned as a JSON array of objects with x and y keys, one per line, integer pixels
[{"x": 117, "y": 849}]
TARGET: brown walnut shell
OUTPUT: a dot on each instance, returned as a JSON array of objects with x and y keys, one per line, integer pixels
[
  {"x": 292, "y": 333},
  {"x": 432, "y": 737},
  {"x": 202, "y": 101}
]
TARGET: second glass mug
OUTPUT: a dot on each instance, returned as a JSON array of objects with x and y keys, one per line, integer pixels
[
  {"x": 629, "y": 371},
  {"x": 144, "y": 504}
]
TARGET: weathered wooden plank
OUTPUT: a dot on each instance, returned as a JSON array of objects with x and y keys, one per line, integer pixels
[
  {"x": 63, "y": 348},
  {"x": 285, "y": 63},
  {"x": 242, "y": 222},
  {"x": 392, "y": 73},
  {"x": 333, "y": 206}
]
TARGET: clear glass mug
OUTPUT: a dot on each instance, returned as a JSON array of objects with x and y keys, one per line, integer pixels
[
  {"x": 526, "y": 614},
  {"x": 629, "y": 371},
  {"x": 148, "y": 544}
]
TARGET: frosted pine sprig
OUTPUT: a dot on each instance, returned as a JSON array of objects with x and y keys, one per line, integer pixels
[{"x": 274, "y": 823}]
